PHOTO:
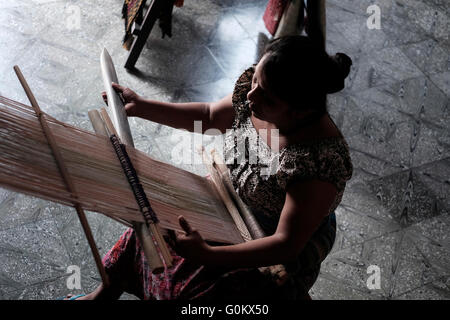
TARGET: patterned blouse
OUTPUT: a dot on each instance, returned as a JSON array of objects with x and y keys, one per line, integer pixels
[{"x": 260, "y": 175}]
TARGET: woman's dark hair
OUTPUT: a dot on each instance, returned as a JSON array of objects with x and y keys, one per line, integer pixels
[{"x": 300, "y": 72}]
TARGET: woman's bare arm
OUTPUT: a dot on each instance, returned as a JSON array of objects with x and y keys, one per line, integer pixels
[
  {"x": 306, "y": 205},
  {"x": 213, "y": 115}
]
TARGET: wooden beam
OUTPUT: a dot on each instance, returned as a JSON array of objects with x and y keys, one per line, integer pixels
[{"x": 65, "y": 175}]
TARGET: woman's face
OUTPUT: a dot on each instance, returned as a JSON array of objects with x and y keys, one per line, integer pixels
[{"x": 263, "y": 104}]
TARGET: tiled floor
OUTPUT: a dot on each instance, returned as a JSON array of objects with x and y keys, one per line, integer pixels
[{"x": 394, "y": 114}]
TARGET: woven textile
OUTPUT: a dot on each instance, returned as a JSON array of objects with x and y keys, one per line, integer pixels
[{"x": 130, "y": 11}]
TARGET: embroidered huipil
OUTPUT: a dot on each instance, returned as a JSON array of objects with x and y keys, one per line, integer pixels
[{"x": 260, "y": 175}]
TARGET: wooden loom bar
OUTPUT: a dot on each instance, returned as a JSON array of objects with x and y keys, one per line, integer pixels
[
  {"x": 65, "y": 175},
  {"x": 152, "y": 235},
  {"x": 97, "y": 123},
  {"x": 99, "y": 128},
  {"x": 250, "y": 221},
  {"x": 154, "y": 227},
  {"x": 148, "y": 234},
  {"x": 277, "y": 271},
  {"x": 143, "y": 234},
  {"x": 220, "y": 188}
]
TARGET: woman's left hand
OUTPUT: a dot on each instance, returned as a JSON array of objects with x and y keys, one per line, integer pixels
[{"x": 189, "y": 245}]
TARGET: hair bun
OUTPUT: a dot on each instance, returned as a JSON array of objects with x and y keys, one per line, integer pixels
[{"x": 340, "y": 65}]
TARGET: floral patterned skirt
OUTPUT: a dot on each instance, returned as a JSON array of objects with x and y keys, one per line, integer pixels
[{"x": 127, "y": 268}]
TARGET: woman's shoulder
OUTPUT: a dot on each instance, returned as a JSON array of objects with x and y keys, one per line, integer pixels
[
  {"x": 241, "y": 88},
  {"x": 326, "y": 159}
]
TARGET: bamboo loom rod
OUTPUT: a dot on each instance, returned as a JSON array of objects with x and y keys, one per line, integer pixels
[
  {"x": 253, "y": 226},
  {"x": 65, "y": 176},
  {"x": 152, "y": 234},
  {"x": 97, "y": 123},
  {"x": 124, "y": 134},
  {"x": 143, "y": 233},
  {"x": 99, "y": 128},
  {"x": 278, "y": 271},
  {"x": 220, "y": 188},
  {"x": 154, "y": 227}
]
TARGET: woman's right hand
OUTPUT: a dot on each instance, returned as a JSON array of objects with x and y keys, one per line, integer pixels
[{"x": 131, "y": 100}]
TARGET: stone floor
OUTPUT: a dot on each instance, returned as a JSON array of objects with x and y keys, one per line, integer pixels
[{"x": 394, "y": 113}]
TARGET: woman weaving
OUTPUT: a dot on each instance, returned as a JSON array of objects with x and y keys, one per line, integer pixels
[{"x": 294, "y": 204}]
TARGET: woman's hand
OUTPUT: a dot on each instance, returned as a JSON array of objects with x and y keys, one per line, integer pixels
[
  {"x": 131, "y": 100},
  {"x": 189, "y": 245}
]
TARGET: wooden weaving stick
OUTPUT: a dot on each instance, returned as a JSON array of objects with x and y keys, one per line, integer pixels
[
  {"x": 220, "y": 188},
  {"x": 149, "y": 233},
  {"x": 253, "y": 226},
  {"x": 65, "y": 176},
  {"x": 156, "y": 264},
  {"x": 220, "y": 178}
]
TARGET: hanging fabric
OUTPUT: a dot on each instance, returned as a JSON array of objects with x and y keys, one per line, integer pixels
[{"x": 132, "y": 11}]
